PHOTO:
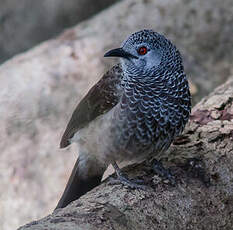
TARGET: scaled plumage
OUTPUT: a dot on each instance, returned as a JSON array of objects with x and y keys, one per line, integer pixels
[{"x": 135, "y": 111}]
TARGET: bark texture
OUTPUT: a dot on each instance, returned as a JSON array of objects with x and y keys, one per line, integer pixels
[
  {"x": 40, "y": 88},
  {"x": 202, "y": 198}
]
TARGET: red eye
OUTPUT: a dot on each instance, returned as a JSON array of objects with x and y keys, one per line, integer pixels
[{"x": 142, "y": 50}]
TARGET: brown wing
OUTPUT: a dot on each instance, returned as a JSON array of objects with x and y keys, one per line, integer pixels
[{"x": 102, "y": 97}]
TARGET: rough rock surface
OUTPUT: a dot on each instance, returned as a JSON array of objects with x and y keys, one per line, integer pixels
[
  {"x": 39, "y": 90},
  {"x": 201, "y": 199}
]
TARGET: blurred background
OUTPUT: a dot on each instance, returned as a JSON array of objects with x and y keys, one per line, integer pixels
[
  {"x": 40, "y": 84},
  {"x": 26, "y": 23}
]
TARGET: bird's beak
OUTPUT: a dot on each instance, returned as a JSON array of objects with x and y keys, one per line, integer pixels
[{"x": 119, "y": 52}]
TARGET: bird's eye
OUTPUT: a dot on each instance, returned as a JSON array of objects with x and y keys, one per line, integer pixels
[{"x": 142, "y": 50}]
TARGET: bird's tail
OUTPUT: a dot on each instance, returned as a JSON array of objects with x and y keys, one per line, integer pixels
[{"x": 86, "y": 174}]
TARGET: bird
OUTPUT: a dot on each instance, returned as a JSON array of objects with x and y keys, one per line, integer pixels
[{"x": 133, "y": 112}]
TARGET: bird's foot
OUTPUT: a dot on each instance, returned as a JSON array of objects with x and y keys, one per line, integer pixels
[
  {"x": 164, "y": 173},
  {"x": 131, "y": 183},
  {"x": 123, "y": 179}
]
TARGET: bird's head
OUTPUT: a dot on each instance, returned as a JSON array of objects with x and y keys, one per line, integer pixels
[{"x": 146, "y": 52}]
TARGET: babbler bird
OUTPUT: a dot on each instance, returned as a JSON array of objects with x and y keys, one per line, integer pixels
[{"x": 134, "y": 112}]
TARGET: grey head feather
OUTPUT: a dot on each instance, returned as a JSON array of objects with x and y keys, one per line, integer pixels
[{"x": 161, "y": 54}]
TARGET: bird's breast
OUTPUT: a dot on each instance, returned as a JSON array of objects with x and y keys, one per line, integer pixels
[{"x": 148, "y": 120}]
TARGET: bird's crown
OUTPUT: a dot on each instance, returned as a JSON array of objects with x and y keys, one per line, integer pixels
[{"x": 146, "y": 52}]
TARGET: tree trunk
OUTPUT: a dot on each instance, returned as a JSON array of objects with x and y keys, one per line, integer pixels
[{"x": 201, "y": 199}]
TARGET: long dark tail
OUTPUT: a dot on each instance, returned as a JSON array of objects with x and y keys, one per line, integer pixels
[{"x": 86, "y": 175}]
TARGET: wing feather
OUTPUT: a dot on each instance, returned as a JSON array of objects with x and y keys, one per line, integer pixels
[{"x": 101, "y": 98}]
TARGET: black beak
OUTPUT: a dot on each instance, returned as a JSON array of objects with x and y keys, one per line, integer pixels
[{"x": 119, "y": 52}]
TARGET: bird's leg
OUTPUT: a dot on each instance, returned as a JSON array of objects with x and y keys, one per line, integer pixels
[
  {"x": 166, "y": 174},
  {"x": 123, "y": 179}
]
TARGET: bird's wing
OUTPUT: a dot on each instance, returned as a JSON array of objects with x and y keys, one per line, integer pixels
[{"x": 102, "y": 97}]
